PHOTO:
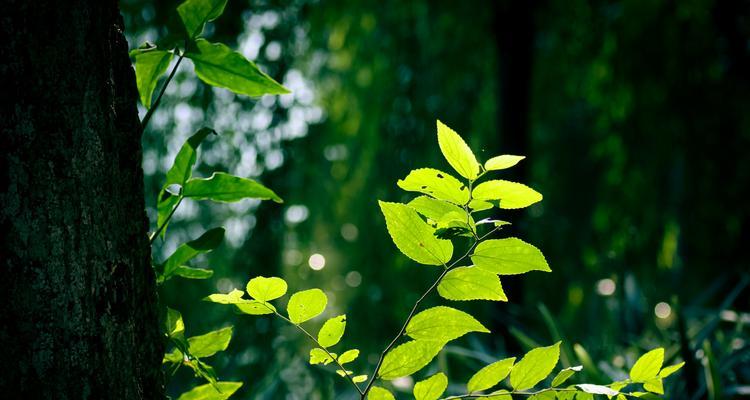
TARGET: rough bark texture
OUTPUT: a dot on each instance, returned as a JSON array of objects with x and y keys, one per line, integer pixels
[{"x": 77, "y": 294}]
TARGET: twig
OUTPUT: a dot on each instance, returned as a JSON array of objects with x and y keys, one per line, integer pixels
[{"x": 166, "y": 221}]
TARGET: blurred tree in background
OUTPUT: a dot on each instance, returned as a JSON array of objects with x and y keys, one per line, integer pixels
[{"x": 633, "y": 116}]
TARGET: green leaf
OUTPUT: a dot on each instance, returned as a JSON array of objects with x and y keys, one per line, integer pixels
[
  {"x": 184, "y": 161},
  {"x": 217, "y": 65},
  {"x": 670, "y": 370},
  {"x": 210, "y": 343},
  {"x": 534, "y": 366},
  {"x": 490, "y": 375},
  {"x": 332, "y": 331},
  {"x": 654, "y": 385},
  {"x": 502, "y": 162},
  {"x": 543, "y": 396},
  {"x": 435, "y": 209},
  {"x": 597, "y": 389},
  {"x": 195, "y": 14},
  {"x": 647, "y": 366},
  {"x": 479, "y": 205},
  {"x": 227, "y": 188},
  {"x": 187, "y": 251},
  {"x": 471, "y": 283},
  {"x": 500, "y": 395},
  {"x": 512, "y": 195},
  {"x": 509, "y": 256},
  {"x": 319, "y": 356},
  {"x": 193, "y": 273},
  {"x": 437, "y": 184},
  {"x": 348, "y": 356},
  {"x": 264, "y": 289},
  {"x": 359, "y": 378},
  {"x": 306, "y": 305},
  {"x": 457, "y": 152},
  {"x": 254, "y": 307},
  {"x": 413, "y": 236},
  {"x": 150, "y": 65},
  {"x": 431, "y": 388},
  {"x": 222, "y": 391},
  {"x": 166, "y": 203},
  {"x": 233, "y": 297},
  {"x": 173, "y": 324},
  {"x": 409, "y": 358},
  {"x": 443, "y": 324},
  {"x": 378, "y": 393},
  {"x": 565, "y": 374}
]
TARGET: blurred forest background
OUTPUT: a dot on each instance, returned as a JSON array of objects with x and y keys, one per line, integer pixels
[{"x": 635, "y": 119}]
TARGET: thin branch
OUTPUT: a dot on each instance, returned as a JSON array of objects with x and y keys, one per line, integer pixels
[
  {"x": 151, "y": 110},
  {"x": 349, "y": 377},
  {"x": 166, "y": 221},
  {"x": 519, "y": 393}
]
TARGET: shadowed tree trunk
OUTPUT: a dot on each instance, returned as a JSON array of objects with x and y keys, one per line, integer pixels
[{"x": 79, "y": 308}]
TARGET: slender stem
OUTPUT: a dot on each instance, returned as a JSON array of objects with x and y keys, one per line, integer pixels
[
  {"x": 151, "y": 110},
  {"x": 519, "y": 393},
  {"x": 410, "y": 316},
  {"x": 166, "y": 221},
  {"x": 349, "y": 377}
]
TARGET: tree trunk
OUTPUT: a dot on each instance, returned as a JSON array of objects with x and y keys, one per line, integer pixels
[{"x": 79, "y": 307}]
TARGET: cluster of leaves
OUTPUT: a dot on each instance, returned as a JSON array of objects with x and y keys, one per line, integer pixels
[
  {"x": 219, "y": 66},
  {"x": 424, "y": 230}
]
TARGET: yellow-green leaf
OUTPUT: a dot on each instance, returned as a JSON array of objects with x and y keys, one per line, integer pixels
[
  {"x": 332, "y": 331},
  {"x": 211, "y": 391},
  {"x": 654, "y": 385},
  {"x": 319, "y": 356},
  {"x": 378, "y": 393},
  {"x": 217, "y": 65},
  {"x": 490, "y": 375},
  {"x": 254, "y": 307},
  {"x": 435, "y": 209},
  {"x": 502, "y": 162},
  {"x": 431, "y": 388},
  {"x": 670, "y": 370},
  {"x": 509, "y": 256},
  {"x": 348, "y": 356},
  {"x": 233, "y": 297},
  {"x": 647, "y": 366},
  {"x": 457, "y": 152},
  {"x": 471, "y": 283},
  {"x": 264, "y": 289},
  {"x": 359, "y": 378},
  {"x": 534, "y": 366},
  {"x": 565, "y": 374},
  {"x": 413, "y": 236},
  {"x": 408, "y": 358},
  {"x": 512, "y": 195},
  {"x": 442, "y": 323},
  {"x": 437, "y": 184},
  {"x": 306, "y": 305}
]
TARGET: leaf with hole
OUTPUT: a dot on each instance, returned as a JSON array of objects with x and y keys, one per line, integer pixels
[
  {"x": 437, "y": 184},
  {"x": 306, "y": 305},
  {"x": 332, "y": 331}
]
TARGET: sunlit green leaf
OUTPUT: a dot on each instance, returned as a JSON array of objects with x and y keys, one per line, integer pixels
[
  {"x": 195, "y": 14},
  {"x": 359, "y": 378},
  {"x": 319, "y": 356},
  {"x": 348, "y": 356},
  {"x": 264, "y": 289},
  {"x": 565, "y": 374},
  {"x": 173, "y": 323},
  {"x": 150, "y": 65},
  {"x": 217, "y": 65},
  {"x": 254, "y": 307},
  {"x": 543, "y": 396},
  {"x": 233, "y": 297},
  {"x": 378, "y": 393},
  {"x": 227, "y": 188},
  {"x": 512, "y": 195},
  {"x": 471, "y": 283},
  {"x": 187, "y": 251},
  {"x": 204, "y": 345},
  {"x": 490, "y": 375},
  {"x": 502, "y": 162},
  {"x": 499, "y": 395},
  {"x": 409, "y": 358},
  {"x": 654, "y": 385},
  {"x": 434, "y": 209},
  {"x": 534, "y": 366},
  {"x": 479, "y": 205},
  {"x": 431, "y": 388},
  {"x": 437, "y": 184},
  {"x": 332, "y": 331},
  {"x": 597, "y": 389},
  {"x": 509, "y": 256},
  {"x": 413, "y": 236},
  {"x": 457, "y": 152},
  {"x": 670, "y": 370},
  {"x": 209, "y": 392},
  {"x": 647, "y": 366},
  {"x": 443, "y": 324},
  {"x": 306, "y": 305},
  {"x": 193, "y": 273}
]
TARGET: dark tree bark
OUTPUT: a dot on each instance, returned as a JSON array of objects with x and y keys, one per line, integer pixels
[{"x": 79, "y": 307}]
